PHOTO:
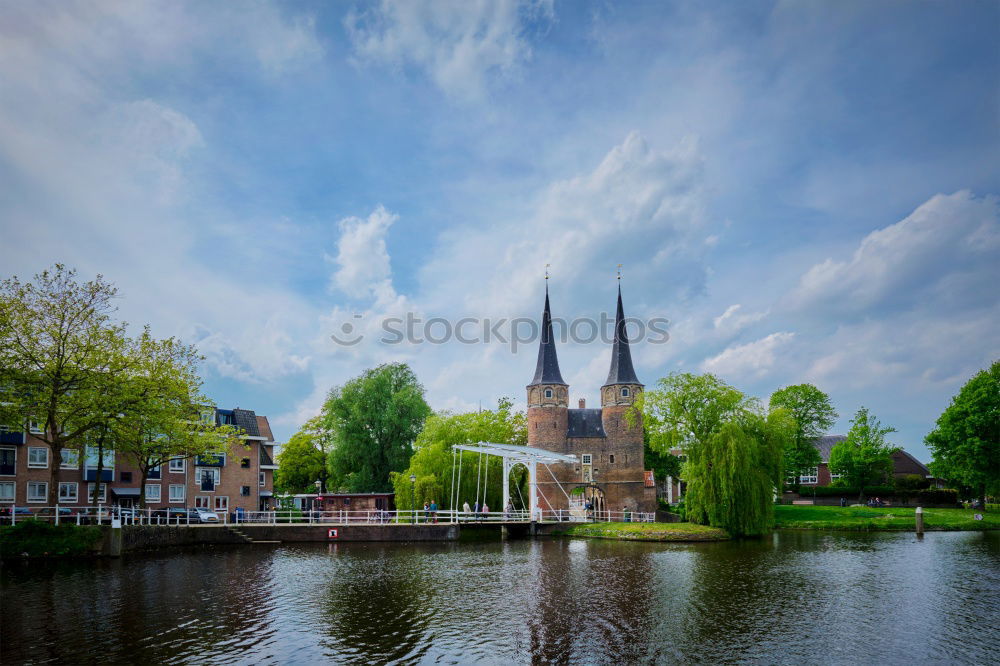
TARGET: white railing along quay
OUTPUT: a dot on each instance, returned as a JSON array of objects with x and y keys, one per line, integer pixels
[{"x": 104, "y": 514}]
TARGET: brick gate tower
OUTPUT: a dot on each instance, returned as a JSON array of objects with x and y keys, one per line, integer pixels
[{"x": 609, "y": 445}]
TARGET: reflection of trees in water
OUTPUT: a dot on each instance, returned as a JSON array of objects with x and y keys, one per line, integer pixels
[
  {"x": 593, "y": 599},
  {"x": 379, "y": 602},
  {"x": 141, "y": 609}
]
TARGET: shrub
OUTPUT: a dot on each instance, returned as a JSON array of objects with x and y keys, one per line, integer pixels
[
  {"x": 911, "y": 482},
  {"x": 938, "y": 496},
  {"x": 39, "y": 539},
  {"x": 849, "y": 493}
]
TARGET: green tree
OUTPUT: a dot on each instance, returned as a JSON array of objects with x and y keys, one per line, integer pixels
[
  {"x": 160, "y": 406},
  {"x": 302, "y": 461},
  {"x": 482, "y": 477},
  {"x": 864, "y": 458},
  {"x": 733, "y": 447},
  {"x": 61, "y": 358},
  {"x": 375, "y": 419},
  {"x": 663, "y": 463},
  {"x": 966, "y": 440},
  {"x": 814, "y": 415}
]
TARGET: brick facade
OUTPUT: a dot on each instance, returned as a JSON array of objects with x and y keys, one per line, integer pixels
[{"x": 245, "y": 467}]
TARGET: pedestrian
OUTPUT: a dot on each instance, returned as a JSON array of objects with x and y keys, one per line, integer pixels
[
  {"x": 486, "y": 511},
  {"x": 625, "y": 515},
  {"x": 427, "y": 511},
  {"x": 508, "y": 510},
  {"x": 843, "y": 501},
  {"x": 434, "y": 511},
  {"x": 466, "y": 510},
  {"x": 475, "y": 511}
]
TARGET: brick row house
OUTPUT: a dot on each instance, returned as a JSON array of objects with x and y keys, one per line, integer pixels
[{"x": 242, "y": 478}]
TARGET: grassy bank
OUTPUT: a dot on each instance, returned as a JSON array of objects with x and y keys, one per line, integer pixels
[
  {"x": 887, "y": 518},
  {"x": 32, "y": 538},
  {"x": 645, "y": 531}
]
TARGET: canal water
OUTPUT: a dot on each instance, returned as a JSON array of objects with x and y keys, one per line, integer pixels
[{"x": 796, "y": 597}]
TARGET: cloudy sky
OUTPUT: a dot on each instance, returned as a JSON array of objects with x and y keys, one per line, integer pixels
[{"x": 806, "y": 190}]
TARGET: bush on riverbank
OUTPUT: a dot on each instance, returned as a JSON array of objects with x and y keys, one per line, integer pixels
[
  {"x": 40, "y": 539},
  {"x": 887, "y": 518},
  {"x": 645, "y": 531}
]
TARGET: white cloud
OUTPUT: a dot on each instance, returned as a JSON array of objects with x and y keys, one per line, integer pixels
[
  {"x": 945, "y": 251},
  {"x": 754, "y": 359},
  {"x": 363, "y": 266},
  {"x": 460, "y": 44},
  {"x": 732, "y": 320}
]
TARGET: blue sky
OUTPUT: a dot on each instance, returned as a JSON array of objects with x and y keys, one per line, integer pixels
[{"x": 807, "y": 191}]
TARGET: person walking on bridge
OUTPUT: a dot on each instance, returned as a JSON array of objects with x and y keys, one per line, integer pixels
[
  {"x": 466, "y": 510},
  {"x": 475, "y": 511}
]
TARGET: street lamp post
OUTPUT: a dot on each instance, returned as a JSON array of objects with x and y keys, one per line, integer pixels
[{"x": 413, "y": 503}]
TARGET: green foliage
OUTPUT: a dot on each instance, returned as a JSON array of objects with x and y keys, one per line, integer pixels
[
  {"x": 911, "y": 482},
  {"x": 814, "y": 415},
  {"x": 733, "y": 448},
  {"x": 845, "y": 491},
  {"x": 432, "y": 461},
  {"x": 645, "y": 531},
  {"x": 893, "y": 518},
  {"x": 375, "y": 419},
  {"x": 966, "y": 440},
  {"x": 41, "y": 539},
  {"x": 864, "y": 457},
  {"x": 663, "y": 463},
  {"x": 302, "y": 460}
]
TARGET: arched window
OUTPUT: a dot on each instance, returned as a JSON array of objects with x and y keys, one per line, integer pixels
[
  {"x": 548, "y": 393},
  {"x": 625, "y": 392}
]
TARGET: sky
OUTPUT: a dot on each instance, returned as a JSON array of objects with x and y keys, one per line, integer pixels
[{"x": 806, "y": 191}]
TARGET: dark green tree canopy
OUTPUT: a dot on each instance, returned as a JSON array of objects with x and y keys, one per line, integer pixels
[
  {"x": 813, "y": 415},
  {"x": 375, "y": 419},
  {"x": 966, "y": 440}
]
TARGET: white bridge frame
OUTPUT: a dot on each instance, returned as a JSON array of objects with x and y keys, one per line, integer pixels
[{"x": 513, "y": 454}]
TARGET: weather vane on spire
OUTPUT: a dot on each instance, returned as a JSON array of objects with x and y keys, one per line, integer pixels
[
  {"x": 619, "y": 272},
  {"x": 547, "y": 271}
]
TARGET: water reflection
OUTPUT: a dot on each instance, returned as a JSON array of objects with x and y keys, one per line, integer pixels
[{"x": 831, "y": 598}]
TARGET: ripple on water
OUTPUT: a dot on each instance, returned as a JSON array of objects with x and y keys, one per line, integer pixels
[{"x": 795, "y": 597}]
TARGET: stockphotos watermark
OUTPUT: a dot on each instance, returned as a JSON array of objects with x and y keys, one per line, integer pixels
[{"x": 514, "y": 332}]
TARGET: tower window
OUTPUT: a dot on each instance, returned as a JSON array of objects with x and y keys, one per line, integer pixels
[
  {"x": 548, "y": 393},
  {"x": 625, "y": 392},
  {"x": 611, "y": 459}
]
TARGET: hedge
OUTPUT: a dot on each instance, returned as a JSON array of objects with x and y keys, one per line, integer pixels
[
  {"x": 38, "y": 539},
  {"x": 840, "y": 491}
]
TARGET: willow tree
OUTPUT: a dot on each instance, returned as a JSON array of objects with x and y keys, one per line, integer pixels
[{"x": 733, "y": 447}]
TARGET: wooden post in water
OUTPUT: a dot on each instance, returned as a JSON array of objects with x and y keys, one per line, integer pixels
[{"x": 919, "y": 514}]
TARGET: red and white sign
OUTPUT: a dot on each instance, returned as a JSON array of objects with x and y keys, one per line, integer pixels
[{"x": 331, "y": 533}]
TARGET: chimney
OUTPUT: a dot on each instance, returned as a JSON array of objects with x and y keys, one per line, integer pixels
[{"x": 583, "y": 403}]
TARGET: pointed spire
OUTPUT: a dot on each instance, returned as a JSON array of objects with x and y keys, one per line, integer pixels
[
  {"x": 621, "y": 371},
  {"x": 547, "y": 368}
]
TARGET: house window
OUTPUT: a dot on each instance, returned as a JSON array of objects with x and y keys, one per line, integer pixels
[
  {"x": 208, "y": 477},
  {"x": 244, "y": 462},
  {"x": 8, "y": 462},
  {"x": 222, "y": 504},
  {"x": 153, "y": 492},
  {"x": 611, "y": 459},
  {"x": 261, "y": 479},
  {"x": 625, "y": 392},
  {"x": 245, "y": 491},
  {"x": 34, "y": 428},
  {"x": 6, "y": 491},
  {"x": 38, "y": 456},
  {"x": 176, "y": 492},
  {"x": 834, "y": 477},
  {"x": 70, "y": 459},
  {"x": 176, "y": 465},
  {"x": 126, "y": 477},
  {"x": 202, "y": 502},
  {"x": 102, "y": 493},
  {"x": 548, "y": 393},
  {"x": 587, "y": 459},
  {"x": 812, "y": 476},
  {"x": 154, "y": 472},
  {"x": 38, "y": 491},
  {"x": 67, "y": 492}
]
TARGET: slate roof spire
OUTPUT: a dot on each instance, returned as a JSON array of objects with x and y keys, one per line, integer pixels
[
  {"x": 547, "y": 367},
  {"x": 621, "y": 371}
]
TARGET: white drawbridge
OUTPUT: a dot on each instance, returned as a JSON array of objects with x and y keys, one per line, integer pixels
[{"x": 512, "y": 455}]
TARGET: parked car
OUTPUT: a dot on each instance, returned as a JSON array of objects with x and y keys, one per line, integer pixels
[
  {"x": 206, "y": 516},
  {"x": 19, "y": 512},
  {"x": 48, "y": 513},
  {"x": 90, "y": 515}
]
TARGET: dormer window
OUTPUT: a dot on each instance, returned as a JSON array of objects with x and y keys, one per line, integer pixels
[
  {"x": 548, "y": 393},
  {"x": 625, "y": 392}
]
